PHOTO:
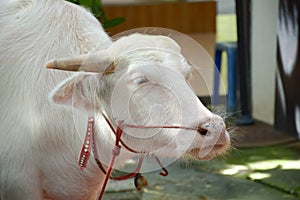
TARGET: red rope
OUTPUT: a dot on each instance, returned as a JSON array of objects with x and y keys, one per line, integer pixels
[
  {"x": 90, "y": 143},
  {"x": 115, "y": 152}
]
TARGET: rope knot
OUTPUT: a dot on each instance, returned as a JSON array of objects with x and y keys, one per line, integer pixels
[{"x": 116, "y": 150}]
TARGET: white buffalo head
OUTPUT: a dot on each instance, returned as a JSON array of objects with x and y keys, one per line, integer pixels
[{"x": 142, "y": 80}]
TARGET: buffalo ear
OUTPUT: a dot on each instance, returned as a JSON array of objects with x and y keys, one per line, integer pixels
[{"x": 79, "y": 91}]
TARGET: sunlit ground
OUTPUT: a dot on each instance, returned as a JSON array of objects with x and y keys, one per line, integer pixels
[
  {"x": 258, "y": 173},
  {"x": 276, "y": 166}
]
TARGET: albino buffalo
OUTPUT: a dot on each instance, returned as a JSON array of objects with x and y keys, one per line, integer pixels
[{"x": 136, "y": 84}]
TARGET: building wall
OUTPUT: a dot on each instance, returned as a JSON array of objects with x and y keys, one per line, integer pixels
[
  {"x": 195, "y": 19},
  {"x": 263, "y": 59}
]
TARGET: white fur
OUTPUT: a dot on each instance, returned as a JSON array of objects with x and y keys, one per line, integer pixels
[{"x": 39, "y": 141}]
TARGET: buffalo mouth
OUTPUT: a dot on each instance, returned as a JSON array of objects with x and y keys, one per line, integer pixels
[{"x": 208, "y": 153}]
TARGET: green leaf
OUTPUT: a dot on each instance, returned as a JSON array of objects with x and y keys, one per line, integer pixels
[
  {"x": 113, "y": 22},
  {"x": 74, "y": 1},
  {"x": 95, "y": 7},
  {"x": 86, "y": 3}
]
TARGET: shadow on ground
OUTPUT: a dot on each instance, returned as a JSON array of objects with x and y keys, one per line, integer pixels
[{"x": 266, "y": 171}]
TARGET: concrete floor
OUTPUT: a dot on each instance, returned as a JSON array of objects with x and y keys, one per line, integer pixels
[{"x": 264, "y": 166}]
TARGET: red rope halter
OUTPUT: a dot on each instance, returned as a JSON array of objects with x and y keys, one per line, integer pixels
[{"x": 90, "y": 144}]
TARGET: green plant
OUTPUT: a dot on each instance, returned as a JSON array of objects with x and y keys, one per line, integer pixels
[{"x": 96, "y": 8}]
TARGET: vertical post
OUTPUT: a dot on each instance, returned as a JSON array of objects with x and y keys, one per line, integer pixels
[
  {"x": 232, "y": 88},
  {"x": 243, "y": 11},
  {"x": 218, "y": 56}
]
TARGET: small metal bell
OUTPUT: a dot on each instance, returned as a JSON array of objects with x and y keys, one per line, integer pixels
[{"x": 140, "y": 181}]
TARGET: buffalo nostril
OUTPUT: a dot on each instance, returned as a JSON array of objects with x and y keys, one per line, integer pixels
[
  {"x": 203, "y": 128},
  {"x": 202, "y": 131}
]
